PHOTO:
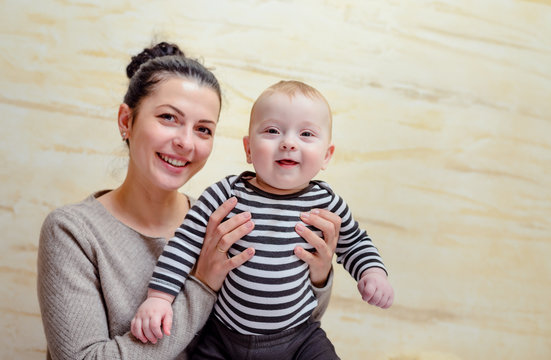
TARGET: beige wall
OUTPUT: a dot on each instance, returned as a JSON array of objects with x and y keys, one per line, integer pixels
[{"x": 442, "y": 126}]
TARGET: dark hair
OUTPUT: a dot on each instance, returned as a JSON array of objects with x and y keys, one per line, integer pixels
[{"x": 158, "y": 63}]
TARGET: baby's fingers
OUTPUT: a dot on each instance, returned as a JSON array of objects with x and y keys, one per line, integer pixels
[
  {"x": 167, "y": 324},
  {"x": 389, "y": 299},
  {"x": 155, "y": 327},
  {"x": 376, "y": 298},
  {"x": 386, "y": 302},
  {"x": 136, "y": 328},
  {"x": 367, "y": 290},
  {"x": 146, "y": 326}
]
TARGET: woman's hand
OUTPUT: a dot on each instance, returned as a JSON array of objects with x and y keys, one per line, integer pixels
[
  {"x": 320, "y": 261},
  {"x": 213, "y": 264}
]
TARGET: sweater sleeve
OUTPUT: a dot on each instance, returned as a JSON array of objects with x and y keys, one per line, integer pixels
[
  {"x": 323, "y": 295},
  {"x": 73, "y": 309}
]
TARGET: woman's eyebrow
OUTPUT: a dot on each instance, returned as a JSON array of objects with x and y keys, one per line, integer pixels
[
  {"x": 208, "y": 121},
  {"x": 180, "y": 112}
]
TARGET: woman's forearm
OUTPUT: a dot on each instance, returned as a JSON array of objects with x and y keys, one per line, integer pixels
[{"x": 81, "y": 306}]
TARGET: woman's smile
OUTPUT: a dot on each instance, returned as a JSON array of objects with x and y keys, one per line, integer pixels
[{"x": 173, "y": 161}]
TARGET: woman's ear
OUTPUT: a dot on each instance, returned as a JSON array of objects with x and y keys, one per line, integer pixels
[
  {"x": 247, "y": 147},
  {"x": 328, "y": 156},
  {"x": 125, "y": 121}
]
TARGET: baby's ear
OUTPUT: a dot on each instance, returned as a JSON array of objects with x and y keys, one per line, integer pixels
[
  {"x": 247, "y": 147},
  {"x": 328, "y": 156}
]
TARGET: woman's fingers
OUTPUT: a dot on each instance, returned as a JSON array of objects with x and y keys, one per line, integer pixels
[
  {"x": 320, "y": 261},
  {"x": 238, "y": 260},
  {"x": 304, "y": 255},
  {"x": 308, "y": 235},
  {"x": 326, "y": 221},
  {"x": 329, "y": 224},
  {"x": 213, "y": 264},
  {"x": 234, "y": 229},
  {"x": 224, "y": 234},
  {"x": 219, "y": 214},
  {"x": 314, "y": 240}
]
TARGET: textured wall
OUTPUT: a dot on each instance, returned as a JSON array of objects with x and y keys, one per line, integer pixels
[{"x": 442, "y": 127}]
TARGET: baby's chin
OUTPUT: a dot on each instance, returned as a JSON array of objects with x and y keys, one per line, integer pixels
[{"x": 283, "y": 188}]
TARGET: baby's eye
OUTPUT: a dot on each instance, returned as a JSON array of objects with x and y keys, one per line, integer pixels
[
  {"x": 272, "y": 131},
  {"x": 307, "y": 133},
  {"x": 168, "y": 117}
]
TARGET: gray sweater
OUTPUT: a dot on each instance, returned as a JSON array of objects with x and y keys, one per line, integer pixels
[{"x": 93, "y": 273}]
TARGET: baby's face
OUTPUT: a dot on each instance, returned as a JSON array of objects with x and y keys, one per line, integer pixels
[{"x": 289, "y": 142}]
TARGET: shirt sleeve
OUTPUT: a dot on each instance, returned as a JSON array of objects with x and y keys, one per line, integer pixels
[
  {"x": 355, "y": 250},
  {"x": 182, "y": 251},
  {"x": 73, "y": 312}
]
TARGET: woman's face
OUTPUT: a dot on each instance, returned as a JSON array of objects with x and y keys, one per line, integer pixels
[{"x": 171, "y": 137}]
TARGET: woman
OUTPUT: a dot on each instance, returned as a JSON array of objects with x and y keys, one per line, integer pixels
[{"x": 96, "y": 257}]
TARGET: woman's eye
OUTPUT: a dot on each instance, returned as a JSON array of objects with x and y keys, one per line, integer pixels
[
  {"x": 204, "y": 130},
  {"x": 168, "y": 117}
]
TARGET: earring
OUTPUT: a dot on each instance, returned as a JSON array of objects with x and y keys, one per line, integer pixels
[{"x": 123, "y": 135}]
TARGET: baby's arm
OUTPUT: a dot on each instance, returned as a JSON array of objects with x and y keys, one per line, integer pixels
[
  {"x": 360, "y": 257},
  {"x": 375, "y": 288},
  {"x": 154, "y": 311}
]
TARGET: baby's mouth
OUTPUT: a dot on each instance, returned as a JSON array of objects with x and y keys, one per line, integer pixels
[
  {"x": 286, "y": 162},
  {"x": 171, "y": 161}
]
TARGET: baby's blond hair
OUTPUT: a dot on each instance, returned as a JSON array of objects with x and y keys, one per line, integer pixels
[{"x": 290, "y": 88}]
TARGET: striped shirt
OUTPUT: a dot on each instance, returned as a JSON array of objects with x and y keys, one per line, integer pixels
[{"x": 272, "y": 291}]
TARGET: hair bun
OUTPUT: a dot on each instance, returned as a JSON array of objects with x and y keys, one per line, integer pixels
[{"x": 159, "y": 50}]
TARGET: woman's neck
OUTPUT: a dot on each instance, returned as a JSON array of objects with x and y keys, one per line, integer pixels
[{"x": 151, "y": 211}]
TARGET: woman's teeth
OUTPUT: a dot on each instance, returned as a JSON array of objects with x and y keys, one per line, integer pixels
[{"x": 173, "y": 162}]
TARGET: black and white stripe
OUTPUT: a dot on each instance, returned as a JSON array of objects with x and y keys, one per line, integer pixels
[{"x": 271, "y": 292}]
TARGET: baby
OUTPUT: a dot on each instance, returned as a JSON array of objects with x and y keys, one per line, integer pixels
[{"x": 264, "y": 306}]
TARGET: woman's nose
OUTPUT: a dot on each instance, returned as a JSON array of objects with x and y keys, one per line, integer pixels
[{"x": 183, "y": 140}]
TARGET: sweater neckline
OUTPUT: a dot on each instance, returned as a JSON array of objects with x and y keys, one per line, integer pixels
[{"x": 93, "y": 198}]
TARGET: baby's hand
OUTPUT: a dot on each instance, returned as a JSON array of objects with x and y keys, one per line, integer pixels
[
  {"x": 146, "y": 324},
  {"x": 375, "y": 288}
]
